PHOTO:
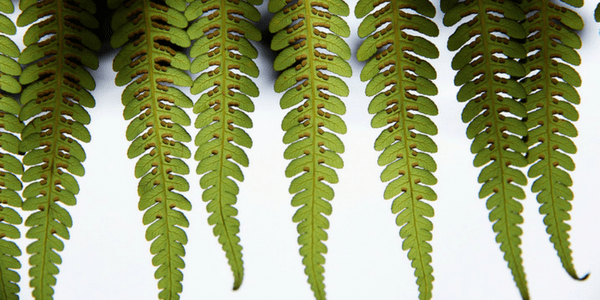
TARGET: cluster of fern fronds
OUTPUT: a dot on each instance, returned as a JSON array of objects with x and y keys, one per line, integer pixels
[
  {"x": 515, "y": 72},
  {"x": 514, "y": 67}
]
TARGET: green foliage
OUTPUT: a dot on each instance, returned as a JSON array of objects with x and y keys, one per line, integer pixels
[
  {"x": 9, "y": 143},
  {"x": 149, "y": 31},
  {"x": 551, "y": 94},
  {"x": 487, "y": 75},
  {"x": 398, "y": 78},
  {"x": 515, "y": 71},
  {"x": 59, "y": 48},
  {"x": 223, "y": 55},
  {"x": 312, "y": 53},
  {"x": 597, "y": 13}
]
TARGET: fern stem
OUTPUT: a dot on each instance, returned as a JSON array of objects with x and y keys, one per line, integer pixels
[
  {"x": 51, "y": 163},
  {"x": 172, "y": 282},
  {"x": 423, "y": 258},
  {"x": 315, "y": 275},
  {"x": 235, "y": 261}
]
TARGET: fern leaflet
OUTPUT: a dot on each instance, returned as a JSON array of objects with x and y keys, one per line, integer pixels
[
  {"x": 149, "y": 31},
  {"x": 224, "y": 55},
  {"x": 398, "y": 78},
  {"x": 312, "y": 53},
  {"x": 59, "y": 48},
  {"x": 486, "y": 75},
  {"x": 9, "y": 142},
  {"x": 549, "y": 85}
]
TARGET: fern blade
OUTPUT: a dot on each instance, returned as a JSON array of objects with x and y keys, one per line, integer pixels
[
  {"x": 11, "y": 166},
  {"x": 51, "y": 102},
  {"x": 227, "y": 228},
  {"x": 394, "y": 73},
  {"x": 222, "y": 40},
  {"x": 152, "y": 69},
  {"x": 549, "y": 133},
  {"x": 489, "y": 87},
  {"x": 311, "y": 87}
]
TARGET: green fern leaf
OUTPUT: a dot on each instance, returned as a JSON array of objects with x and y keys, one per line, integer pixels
[
  {"x": 114, "y": 4},
  {"x": 223, "y": 54},
  {"x": 9, "y": 143},
  {"x": 7, "y": 26},
  {"x": 149, "y": 31},
  {"x": 7, "y": 7},
  {"x": 53, "y": 102},
  {"x": 487, "y": 73},
  {"x": 313, "y": 52},
  {"x": 396, "y": 76},
  {"x": 550, "y": 113}
]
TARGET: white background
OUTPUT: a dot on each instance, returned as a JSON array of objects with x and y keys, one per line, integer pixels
[{"x": 109, "y": 258}]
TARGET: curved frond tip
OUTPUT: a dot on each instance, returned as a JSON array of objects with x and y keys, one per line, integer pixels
[{"x": 313, "y": 52}]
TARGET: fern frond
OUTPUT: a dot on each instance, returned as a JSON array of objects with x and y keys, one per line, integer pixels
[
  {"x": 312, "y": 54},
  {"x": 398, "y": 78},
  {"x": 223, "y": 55},
  {"x": 9, "y": 142},
  {"x": 59, "y": 47},
  {"x": 486, "y": 75},
  {"x": 149, "y": 31},
  {"x": 550, "y": 86},
  {"x": 114, "y": 4}
]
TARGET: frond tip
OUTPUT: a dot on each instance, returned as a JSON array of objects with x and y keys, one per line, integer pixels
[
  {"x": 222, "y": 37},
  {"x": 399, "y": 77},
  {"x": 151, "y": 68}
]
